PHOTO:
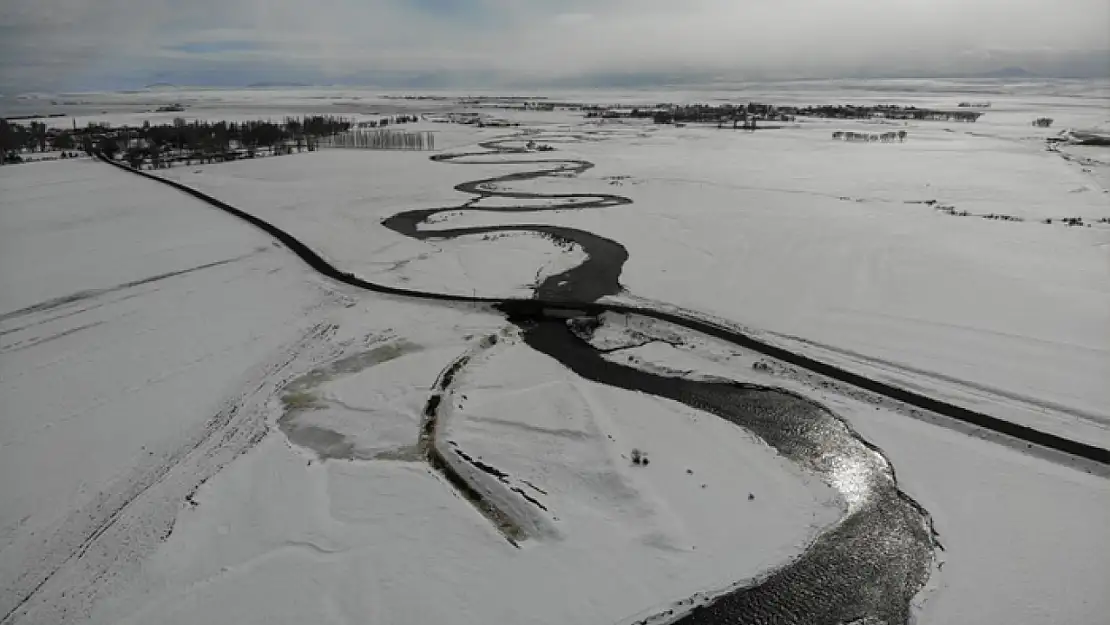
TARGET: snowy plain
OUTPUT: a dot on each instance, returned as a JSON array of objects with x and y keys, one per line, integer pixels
[
  {"x": 106, "y": 393},
  {"x": 785, "y": 231},
  {"x": 130, "y": 321}
]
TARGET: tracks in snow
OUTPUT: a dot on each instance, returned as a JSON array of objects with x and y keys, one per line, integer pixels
[{"x": 121, "y": 524}]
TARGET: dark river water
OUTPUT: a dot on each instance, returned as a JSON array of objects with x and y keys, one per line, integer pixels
[{"x": 867, "y": 567}]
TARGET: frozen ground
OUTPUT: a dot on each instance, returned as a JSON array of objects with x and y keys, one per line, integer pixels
[
  {"x": 367, "y": 532},
  {"x": 197, "y": 429},
  {"x": 785, "y": 231},
  {"x": 131, "y": 322},
  {"x": 822, "y": 244},
  {"x": 104, "y": 343},
  {"x": 351, "y": 191}
]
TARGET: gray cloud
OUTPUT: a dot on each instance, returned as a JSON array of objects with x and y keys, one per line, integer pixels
[{"x": 77, "y": 44}]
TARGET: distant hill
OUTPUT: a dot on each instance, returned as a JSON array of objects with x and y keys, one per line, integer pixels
[
  {"x": 259, "y": 85},
  {"x": 1008, "y": 72},
  {"x": 160, "y": 85}
]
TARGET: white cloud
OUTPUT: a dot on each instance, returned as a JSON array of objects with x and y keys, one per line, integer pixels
[{"x": 76, "y": 43}]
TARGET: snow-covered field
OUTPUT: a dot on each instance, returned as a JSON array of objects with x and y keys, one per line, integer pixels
[
  {"x": 130, "y": 323},
  {"x": 196, "y": 428},
  {"x": 351, "y": 191},
  {"x": 785, "y": 231},
  {"x": 383, "y": 539}
]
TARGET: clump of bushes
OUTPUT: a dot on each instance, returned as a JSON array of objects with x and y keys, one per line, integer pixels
[
  {"x": 951, "y": 210},
  {"x": 1002, "y": 217},
  {"x": 299, "y": 401}
]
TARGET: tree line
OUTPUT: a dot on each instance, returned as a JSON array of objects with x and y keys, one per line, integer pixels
[
  {"x": 222, "y": 136},
  {"x": 384, "y": 140},
  {"x": 747, "y": 113},
  {"x": 203, "y": 141},
  {"x": 385, "y": 121},
  {"x": 33, "y": 137},
  {"x": 181, "y": 140}
]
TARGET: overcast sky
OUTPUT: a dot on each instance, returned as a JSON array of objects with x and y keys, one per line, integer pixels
[{"x": 107, "y": 44}]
